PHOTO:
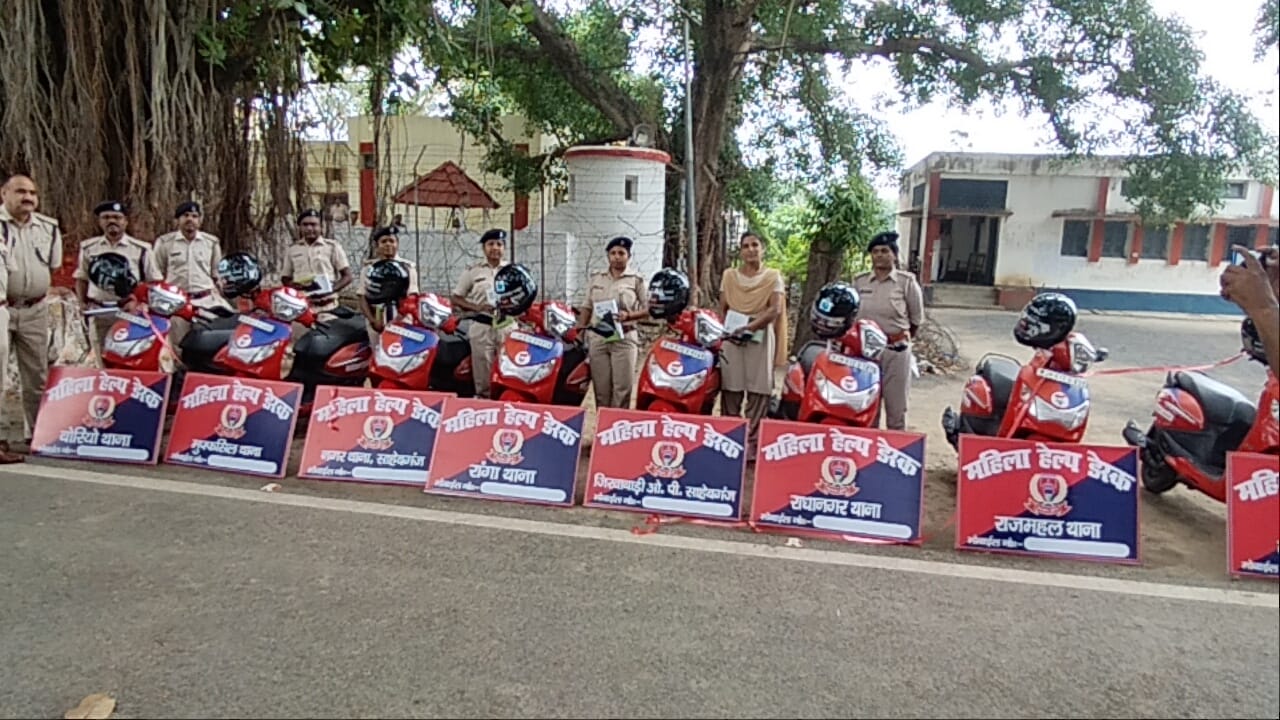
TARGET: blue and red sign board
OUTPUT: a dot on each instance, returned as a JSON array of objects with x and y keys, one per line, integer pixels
[
  {"x": 1253, "y": 515},
  {"x": 239, "y": 425},
  {"x": 373, "y": 436},
  {"x": 832, "y": 481},
  {"x": 667, "y": 464},
  {"x": 101, "y": 415},
  {"x": 505, "y": 451},
  {"x": 1048, "y": 499}
]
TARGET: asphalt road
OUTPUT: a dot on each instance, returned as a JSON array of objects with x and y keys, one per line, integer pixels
[{"x": 190, "y": 605}]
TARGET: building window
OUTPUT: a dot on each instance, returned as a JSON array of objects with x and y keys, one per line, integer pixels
[
  {"x": 917, "y": 196},
  {"x": 1195, "y": 243},
  {"x": 573, "y": 187},
  {"x": 1237, "y": 235},
  {"x": 631, "y": 188},
  {"x": 1234, "y": 191},
  {"x": 1115, "y": 239},
  {"x": 1075, "y": 239},
  {"x": 1155, "y": 243},
  {"x": 1273, "y": 237},
  {"x": 334, "y": 175},
  {"x": 973, "y": 194}
]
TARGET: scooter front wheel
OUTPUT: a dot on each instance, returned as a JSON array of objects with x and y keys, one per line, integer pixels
[{"x": 1157, "y": 476}]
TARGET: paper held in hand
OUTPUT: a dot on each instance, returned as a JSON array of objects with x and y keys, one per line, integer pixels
[
  {"x": 603, "y": 309},
  {"x": 735, "y": 321}
]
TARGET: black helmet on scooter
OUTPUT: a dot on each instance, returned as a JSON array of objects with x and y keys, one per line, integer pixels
[
  {"x": 833, "y": 310},
  {"x": 668, "y": 294},
  {"x": 111, "y": 272},
  {"x": 1250, "y": 341},
  {"x": 386, "y": 281},
  {"x": 239, "y": 274},
  {"x": 1046, "y": 321},
  {"x": 515, "y": 288}
]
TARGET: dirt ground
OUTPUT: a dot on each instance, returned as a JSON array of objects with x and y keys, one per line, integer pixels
[{"x": 1183, "y": 533}]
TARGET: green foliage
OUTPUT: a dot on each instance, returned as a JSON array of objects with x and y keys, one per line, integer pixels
[
  {"x": 1267, "y": 28},
  {"x": 844, "y": 216}
]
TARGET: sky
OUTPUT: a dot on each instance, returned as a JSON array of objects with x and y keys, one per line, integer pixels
[{"x": 1226, "y": 38}]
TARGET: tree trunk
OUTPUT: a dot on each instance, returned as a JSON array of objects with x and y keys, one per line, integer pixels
[{"x": 824, "y": 266}]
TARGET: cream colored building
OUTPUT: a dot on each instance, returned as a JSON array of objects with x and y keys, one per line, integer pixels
[{"x": 412, "y": 146}]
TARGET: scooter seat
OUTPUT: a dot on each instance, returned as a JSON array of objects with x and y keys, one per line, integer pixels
[
  {"x": 809, "y": 355},
  {"x": 1223, "y": 405},
  {"x": 1001, "y": 373},
  {"x": 333, "y": 335}
]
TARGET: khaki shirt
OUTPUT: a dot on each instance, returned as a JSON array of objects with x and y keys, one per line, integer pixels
[
  {"x": 324, "y": 257},
  {"x": 476, "y": 284},
  {"x": 141, "y": 260},
  {"x": 34, "y": 250},
  {"x": 627, "y": 289},
  {"x": 895, "y": 303},
  {"x": 190, "y": 264},
  {"x": 362, "y": 281}
]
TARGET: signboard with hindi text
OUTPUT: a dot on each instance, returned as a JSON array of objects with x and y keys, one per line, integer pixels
[
  {"x": 667, "y": 463},
  {"x": 507, "y": 451},
  {"x": 1253, "y": 515},
  {"x": 1048, "y": 499},
  {"x": 239, "y": 425},
  {"x": 101, "y": 415},
  {"x": 839, "y": 481},
  {"x": 369, "y": 435}
]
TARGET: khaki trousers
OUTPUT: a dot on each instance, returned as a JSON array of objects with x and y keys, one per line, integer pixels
[
  {"x": 485, "y": 345},
  {"x": 895, "y": 386},
  {"x": 613, "y": 370},
  {"x": 28, "y": 334}
]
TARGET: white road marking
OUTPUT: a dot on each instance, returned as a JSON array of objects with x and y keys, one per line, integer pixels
[{"x": 728, "y": 547}]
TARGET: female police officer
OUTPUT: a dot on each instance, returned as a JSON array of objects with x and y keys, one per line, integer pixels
[{"x": 615, "y": 300}]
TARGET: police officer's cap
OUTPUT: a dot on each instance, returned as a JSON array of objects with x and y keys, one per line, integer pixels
[
  {"x": 494, "y": 234},
  {"x": 887, "y": 239},
  {"x": 620, "y": 241},
  {"x": 109, "y": 206},
  {"x": 186, "y": 207},
  {"x": 389, "y": 231},
  {"x": 308, "y": 213}
]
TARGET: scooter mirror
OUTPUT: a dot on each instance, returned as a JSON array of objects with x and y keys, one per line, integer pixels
[{"x": 1103, "y": 354}]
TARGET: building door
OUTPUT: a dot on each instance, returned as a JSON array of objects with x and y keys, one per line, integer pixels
[{"x": 969, "y": 244}]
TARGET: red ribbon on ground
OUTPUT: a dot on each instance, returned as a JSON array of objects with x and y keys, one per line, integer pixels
[
  {"x": 1167, "y": 368},
  {"x": 654, "y": 523}
]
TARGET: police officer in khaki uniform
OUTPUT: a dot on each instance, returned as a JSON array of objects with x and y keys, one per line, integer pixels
[
  {"x": 142, "y": 262},
  {"x": 619, "y": 294},
  {"x": 189, "y": 259},
  {"x": 893, "y": 299},
  {"x": 386, "y": 246},
  {"x": 313, "y": 257},
  {"x": 474, "y": 293},
  {"x": 34, "y": 244}
]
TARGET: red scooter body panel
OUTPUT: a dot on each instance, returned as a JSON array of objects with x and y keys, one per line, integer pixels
[{"x": 678, "y": 374}]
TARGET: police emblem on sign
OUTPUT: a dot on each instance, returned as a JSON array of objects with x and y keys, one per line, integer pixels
[
  {"x": 506, "y": 447},
  {"x": 101, "y": 410},
  {"x": 377, "y": 432},
  {"x": 668, "y": 460},
  {"x": 232, "y": 422},
  {"x": 1048, "y": 495},
  {"x": 838, "y": 475}
]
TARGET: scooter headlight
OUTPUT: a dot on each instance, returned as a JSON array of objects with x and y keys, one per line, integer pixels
[
  {"x": 398, "y": 364},
  {"x": 832, "y": 394},
  {"x": 679, "y": 384},
  {"x": 252, "y": 355},
  {"x": 129, "y": 348},
  {"x": 1069, "y": 418},
  {"x": 527, "y": 374}
]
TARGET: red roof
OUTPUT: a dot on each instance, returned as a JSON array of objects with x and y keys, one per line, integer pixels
[{"x": 446, "y": 186}]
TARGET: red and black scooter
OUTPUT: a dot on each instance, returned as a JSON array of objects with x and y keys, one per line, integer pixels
[
  {"x": 424, "y": 348},
  {"x": 139, "y": 339},
  {"x": 836, "y": 381},
  {"x": 1046, "y": 399},
  {"x": 543, "y": 360},
  {"x": 1198, "y": 420},
  {"x": 682, "y": 372}
]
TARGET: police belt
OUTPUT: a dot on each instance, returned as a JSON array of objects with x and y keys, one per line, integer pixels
[{"x": 30, "y": 302}]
